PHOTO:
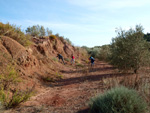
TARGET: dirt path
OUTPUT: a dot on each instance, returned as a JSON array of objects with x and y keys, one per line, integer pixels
[{"x": 72, "y": 93}]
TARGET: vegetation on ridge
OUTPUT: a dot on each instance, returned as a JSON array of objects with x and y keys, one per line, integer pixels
[{"x": 15, "y": 33}]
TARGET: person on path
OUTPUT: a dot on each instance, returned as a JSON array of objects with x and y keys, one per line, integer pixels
[
  {"x": 60, "y": 57},
  {"x": 72, "y": 59},
  {"x": 92, "y": 60}
]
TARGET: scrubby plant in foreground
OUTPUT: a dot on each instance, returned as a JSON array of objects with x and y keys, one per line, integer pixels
[
  {"x": 118, "y": 100},
  {"x": 9, "y": 78},
  {"x": 10, "y": 96},
  {"x": 9, "y": 100}
]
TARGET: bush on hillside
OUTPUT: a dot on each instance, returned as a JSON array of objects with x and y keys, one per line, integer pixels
[
  {"x": 52, "y": 37},
  {"x": 66, "y": 59},
  {"x": 14, "y": 32},
  {"x": 53, "y": 77},
  {"x": 129, "y": 50},
  {"x": 55, "y": 59},
  {"x": 10, "y": 77},
  {"x": 118, "y": 100},
  {"x": 79, "y": 65}
]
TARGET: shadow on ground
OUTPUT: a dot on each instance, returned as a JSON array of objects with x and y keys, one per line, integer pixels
[
  {"x": 86, "y": 110},
  {"x": 90, "y": 70},
  {"x": 78, "y": 80}
]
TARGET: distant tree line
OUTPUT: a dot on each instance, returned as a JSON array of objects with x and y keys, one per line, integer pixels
[
  {"x": 37, "y": 30},
  {"x": 24, "y": 39},
  {"x": 40, "y": 31},
  {"x": 129, "y": 50}
]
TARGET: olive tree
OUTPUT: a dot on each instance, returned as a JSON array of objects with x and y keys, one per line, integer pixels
[{"x": 129, "y": 50}]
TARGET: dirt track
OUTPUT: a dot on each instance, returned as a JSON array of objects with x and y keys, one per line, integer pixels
[{"x": 72, "y": 93}]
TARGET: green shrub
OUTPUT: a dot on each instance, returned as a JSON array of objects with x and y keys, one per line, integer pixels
[
  {"x": 77, "y": 61},
  {"x": 66, "y": 59},
  {"x": 59, "y": 75},
  {"x": 118, "y": 100},
  {"x": 53, "y": 77},
  {"x": 87, "y": 61},
  {"x": 10, "y": 77},
  {"x": 9, "y": 95},
  {"x": 55, "y": 59},
  {"x": 129, "y": 50},
  {"x": 52, "y": 37},
  {"x": 9, "y": 100},
  {"x": 79, "y": 65},
  {"x": 48, "y": 79},
  {"x": 15, "y": 33}
]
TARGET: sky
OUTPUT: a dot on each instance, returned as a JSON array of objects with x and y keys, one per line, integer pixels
[{"x": 85, "y": 22}]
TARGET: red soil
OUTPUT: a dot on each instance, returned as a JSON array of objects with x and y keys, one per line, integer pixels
[{"x": 71, "y": 94}]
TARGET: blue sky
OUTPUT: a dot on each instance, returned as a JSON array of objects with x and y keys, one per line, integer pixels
[{"x": 84, "y": 22}]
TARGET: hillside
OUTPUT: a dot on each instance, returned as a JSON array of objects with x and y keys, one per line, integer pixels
[{"x": 38, "y": 60}]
